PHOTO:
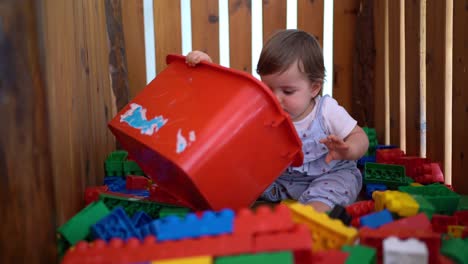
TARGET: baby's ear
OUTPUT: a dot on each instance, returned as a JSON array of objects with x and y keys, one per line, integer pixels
[{"x": 315, "y": 88}]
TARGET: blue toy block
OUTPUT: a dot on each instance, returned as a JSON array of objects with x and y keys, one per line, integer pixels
[
  {"x": 118, "y": 184},
  {"x": 372, "y": 187},
  {"x": 210, "y": 223},
  {"x": 377, "y": 219},
  {"x": 116, "y": 225},
  {"x": 142, "y": 193},
  {"x": 140, "y": 218},
  {"x": 147, "y": 230},
  {"x": 217, "y": 223},
  {"x": 362, "y": 161},
  {"x": 385, "y": 147},
  {"x": 115, "y": 184}
]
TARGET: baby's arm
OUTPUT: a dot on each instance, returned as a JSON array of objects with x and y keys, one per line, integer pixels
[
  {"x": 353, "y": 147},
  {"x": 196, "y": 56}
]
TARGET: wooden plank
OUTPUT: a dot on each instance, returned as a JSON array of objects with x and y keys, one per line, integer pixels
[
  {"x": 274, "y": 17},
  {"x": 205, "y": 27},
  {"x": 379, "y": 80},
  {"x": 134, "y": 33},
  {"x": 310, "y": 17},
  {"x": 460, "y": 97},
  {"x": 26, "y": 189},
  {"x": 435, "y": 80},
  {"x": 394, "y": 70},
  {"x": 117, "y": 56},
  {"x": 412, "y": 98},
  {"x": 364, "y": 67},
  {"x": 167, "y": 28},
  {"x": 80, "y": 99},
  {"x": 240, "y": 35},
  {"x": 344, "y": 27}
]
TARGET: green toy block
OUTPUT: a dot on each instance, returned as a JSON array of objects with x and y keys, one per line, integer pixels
[
  {"x": 181, "y": 212},
  {"x": 463, "y": 204},
  {"x": 444, "y": 200},
  {"x": 132, "y": 205},
  {"x": 114, "y": 163},
  {"x": 391, "y": 176},
  {"x": 77, "y": 228},
  {"x": 130, "y": 167},
  {"x": 424, "y": 205},
  {"x": 62, "y": 247},
  {"x": 372, "y": 136},
  {"x": 360, "y": 254},
  {"x": 455, "y": 249},
  {"x": 284, "y": 257}
]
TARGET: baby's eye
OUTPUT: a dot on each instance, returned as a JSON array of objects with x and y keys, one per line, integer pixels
[{"x": 288, "y": 92}]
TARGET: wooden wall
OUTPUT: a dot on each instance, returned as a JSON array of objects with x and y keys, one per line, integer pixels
[{"x": 66, "y": 68}]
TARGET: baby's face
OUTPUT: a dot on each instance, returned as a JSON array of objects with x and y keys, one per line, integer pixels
[{"x": 293, "y": 90}]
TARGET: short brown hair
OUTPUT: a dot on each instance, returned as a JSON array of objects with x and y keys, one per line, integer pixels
[{"x": 288, "y": 46}]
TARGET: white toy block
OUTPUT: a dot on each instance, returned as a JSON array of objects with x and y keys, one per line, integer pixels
[{"x": 409, "y": 251}]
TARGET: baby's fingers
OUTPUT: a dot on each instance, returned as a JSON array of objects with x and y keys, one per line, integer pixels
[{"x": 192, "y": 59}]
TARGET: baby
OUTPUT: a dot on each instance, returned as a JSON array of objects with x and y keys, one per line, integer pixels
[{"x": 291, "y": 65}]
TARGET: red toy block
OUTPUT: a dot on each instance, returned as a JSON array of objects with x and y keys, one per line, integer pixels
[
  {"x": 116, "y": 251},
  {"x": 360, "y": 208},
  {"x": 419, "y": 222},
  {"x": 388, "y": 156},
  {"x": 157, "y": 194},
  {"x": 462, "y": 217},
  {"x": 374, "y": 238},
  {"x": 330, "y": 256},
  {"x": 413, "y": 165},
  {"x": 356, "y": 222},
  {"x": 441, "y": 222},
  {"x": 444, "y": 260},
  {"x": 92, "y": 193},
  {"x": 431, "y": 173},
  {"x": 296, "y": 239},
  {"x": 264, "y": 220},
  {"x": 135, "y": 182}
]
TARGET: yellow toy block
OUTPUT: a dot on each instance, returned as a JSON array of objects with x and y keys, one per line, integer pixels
[
  {"x": 326, "y": 233},
  {"x": 379, "y": 200},
  {"x": 416, "y": 184},
  {"x": 191, "y": 260},
  {"x": 455, "y": 230},
  {"x": 397, "y": 202}
]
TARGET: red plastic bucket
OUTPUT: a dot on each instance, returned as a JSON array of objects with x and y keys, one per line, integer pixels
[{"x": 210, "y": 136}]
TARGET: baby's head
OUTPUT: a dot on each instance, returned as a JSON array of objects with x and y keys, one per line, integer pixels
[
  {"x": 288, "y": 47},
  {"x": 291, "y": 65}
]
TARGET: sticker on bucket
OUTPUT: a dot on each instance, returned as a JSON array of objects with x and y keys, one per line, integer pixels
[
  {"x": 136, "y": 118},
  {"x": 182, "y": 141}
]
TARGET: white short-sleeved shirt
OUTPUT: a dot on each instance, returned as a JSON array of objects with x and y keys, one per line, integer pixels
[{"x": 337, "y": 120}]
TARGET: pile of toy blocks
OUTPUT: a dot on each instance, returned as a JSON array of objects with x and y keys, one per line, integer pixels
[{"x": 410, "y": 217}]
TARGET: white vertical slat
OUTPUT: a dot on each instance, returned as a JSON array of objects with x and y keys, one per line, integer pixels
[
  {"x": 224, "y": 33},
  {"x": 291, "y": 14},
  {"x": 328, "y": 46},
  {"x": 257, "y": 33},
  {"x": 150, "y": 56},
  {"x": 448, "y": 90},
  {"x": 186, "y": 24}
]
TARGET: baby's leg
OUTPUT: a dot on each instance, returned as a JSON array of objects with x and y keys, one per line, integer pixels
[
  {"x": 339, "y": 187},
  {"x": 320, "y": 207}
]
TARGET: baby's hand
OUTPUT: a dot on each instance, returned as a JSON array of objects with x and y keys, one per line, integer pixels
[
  {"x": 195, "y": 57},
  {"x": 337, "y": 148}
]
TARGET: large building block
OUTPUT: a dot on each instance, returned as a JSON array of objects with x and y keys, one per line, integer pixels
[{"x": 77, "y": 228}]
